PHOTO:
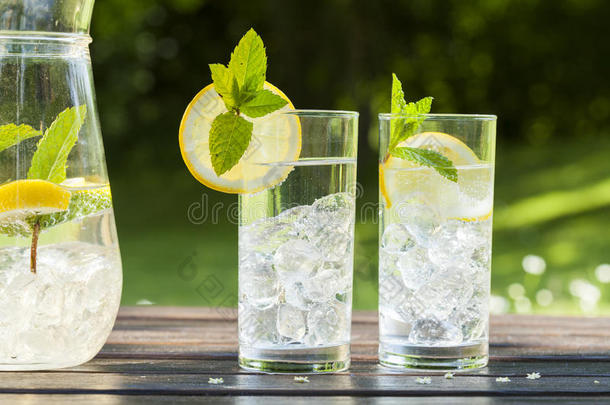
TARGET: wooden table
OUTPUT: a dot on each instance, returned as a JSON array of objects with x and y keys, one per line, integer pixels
[{"x": 167, "y": 355}]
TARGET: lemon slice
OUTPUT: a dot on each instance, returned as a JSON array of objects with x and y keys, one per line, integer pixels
[
  {"x": 468, "y": 200},
  {"x": 275, "y": 138},
  {"x": 23, "y": 197}
]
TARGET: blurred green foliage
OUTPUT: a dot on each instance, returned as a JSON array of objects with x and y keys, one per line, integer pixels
[{"x": 541, "y": 66}]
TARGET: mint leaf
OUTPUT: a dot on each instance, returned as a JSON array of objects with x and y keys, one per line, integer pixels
[
  {"x": 49, "y": 160},
  {"x": 224, "y": 84},
  {"x": 249, "y": 64},
  {"x": 402, "y": 129},
  {"x": 229, "y": 138},
  {"x": 263, "y": 103},
  {"x": 12, "y": 134},
  {"x": 398, "y": 96},
  {"x": 430, "y": 158},
  {"x": 405, "y": 128}
]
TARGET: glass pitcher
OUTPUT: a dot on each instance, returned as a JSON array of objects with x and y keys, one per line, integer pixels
[{"x": 60, "y": 266}]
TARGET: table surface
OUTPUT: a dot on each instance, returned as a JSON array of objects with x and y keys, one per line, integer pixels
[{"x": 167, "y": 355}]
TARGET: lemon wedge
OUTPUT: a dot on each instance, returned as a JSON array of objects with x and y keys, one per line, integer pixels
[
  {"x": 23, "y": 197},
  {"x": 275, "y": 138},
  {"x": 468, "y": 200}
]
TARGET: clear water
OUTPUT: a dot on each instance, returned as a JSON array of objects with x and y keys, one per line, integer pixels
[
  {"x": 295, "y": 263},
  {"x": 434, "y": 266},
  {"x": 62, "y": 314}
]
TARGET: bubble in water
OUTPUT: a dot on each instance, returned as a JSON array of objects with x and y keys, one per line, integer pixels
[
  {"x": 433, "y": 332},
  {"x": 291, "y": 322}
]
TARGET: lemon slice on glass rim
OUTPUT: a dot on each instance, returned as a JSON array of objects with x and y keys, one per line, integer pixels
[
  {"x": 395, "y": 183},
  {"x": 275, "y": 138}
]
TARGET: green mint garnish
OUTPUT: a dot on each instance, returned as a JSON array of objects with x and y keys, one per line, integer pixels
[
  {"x": 48, "y": 163},
  {"x": 240, "y": 85},
  {"x": 229, "y": 138},
  {"x": 11, "y": 134},
  {"x": 49, "y": 160},
  {"x": 402, "y": 129}
]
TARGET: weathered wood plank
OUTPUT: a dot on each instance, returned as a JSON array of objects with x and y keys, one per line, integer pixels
[
  {"x": 162, "y": 332},
  {"x": 225, "y": 367},
  {"x": 50, "y": 399},
  {"x": 319, "y": 385}
]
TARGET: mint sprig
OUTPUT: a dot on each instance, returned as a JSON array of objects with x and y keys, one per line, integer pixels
[
  {"x": 402, "y": 129},
  {"x": 50, "y": 159},
  {"x": 240, "y": 85},
  {"x": 48, "y": 163},
  {"x": 11, "y": 134}
]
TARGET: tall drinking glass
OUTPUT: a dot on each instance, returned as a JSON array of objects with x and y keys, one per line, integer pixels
[
  {"x": 435, "y": 245},
  {"x": 296, "y": 252}
]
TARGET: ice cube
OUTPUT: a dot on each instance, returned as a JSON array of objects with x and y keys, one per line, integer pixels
[
  {"x": 447, "y": 250},
  {"x": 390, "y": 324},
  {"x": 327, "y": 324},
  {"x": 433, "y": 332},
  {"x": 329, "y": 226},
  {"x": 291, "y": 322},
  {"x": 472, "y": 320},
  {"x": 296, "y": 260},
  {"x": 443, "y": 294},
  {"x": 265, "y": 235},
  {"x": 396, "y": 238},
  {"x": 258, "y": 282},
  {"x": 420, "y": 220},
  {"x": 324, "y": 286},
  {"x": 415, "y": 267},
  {"x": 294, "y": 294},
  {"x": 257, "y": 326}
]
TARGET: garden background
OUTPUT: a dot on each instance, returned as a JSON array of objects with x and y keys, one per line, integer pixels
[{"x": 541, "y": 66}]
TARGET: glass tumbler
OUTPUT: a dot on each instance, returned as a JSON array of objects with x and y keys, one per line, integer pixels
[
  {"x": 435, "y": 243},
  {"x": 296, "y": 253}
]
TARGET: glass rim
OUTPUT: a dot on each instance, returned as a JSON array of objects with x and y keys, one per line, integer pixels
[
  {"x": 440, "y": 116},
  {"x": 44, "y": 36},
  {"x": 322, "y": 113}
]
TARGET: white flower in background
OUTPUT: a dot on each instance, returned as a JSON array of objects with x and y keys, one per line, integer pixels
[
  {"x": 533, "y": 376},
  {"x": 544, "y": 297},
  {"x": 602, "y": 272},
  {"x": 498, "y": 305},
  {"x": 533, "y": 264},
  {"x": 301, "y": 379},
  {"x": 449, "y": 376},
  {"x": 503, "y": 379},
  {"x": 144, "y": 301},
  {"x": 423, "y": 380},
  {"x": 588, "y": 293},
  {"x": 215, "y": 380},
  {"x": 516, "y": 290}
]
